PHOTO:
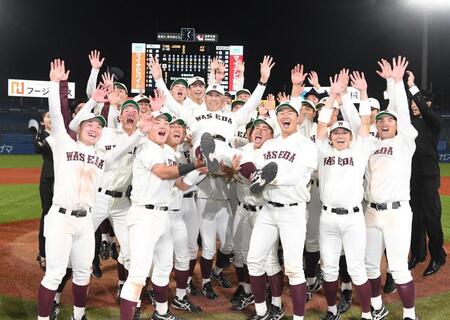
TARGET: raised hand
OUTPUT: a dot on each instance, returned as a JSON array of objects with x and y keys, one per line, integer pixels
[
  {"x": 358, "y": 81},
  {"x": 114, "y": 98},
  {"x": 335, "y": 87},
  {"x": 386, "y": 69},
  {"x": 158, "y": 101},
  {"x": 313, "y": 79},
  {"x": 297, "y": 75},
  {"x": 57, "y": 70},
  {"x": 398, "y": 68},
  {"x": 107, "y": 79},
  {"x": 282, "y": 97},
  {"x": 214, "y": 64},
  {"x": 101, "y": 93},
  {"x": 65, "y": 77},
  {"x": 270, "y": 105},
  {"x": 155, "y": 68},
  {"x": 220, "y": 72},
  {"x": 262, "y": 109},
  {"x": 240, "y": 69},
  {"x": 343, "y": 79},
  {"x": 265, "y": 67},
  {"x": 411, "y": 79},
  {"x": 94, "y": 58},
  {"x": 146, "y": 123}
]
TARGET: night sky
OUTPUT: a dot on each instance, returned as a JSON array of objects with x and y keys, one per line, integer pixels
[{"x": 323, "y": 35}]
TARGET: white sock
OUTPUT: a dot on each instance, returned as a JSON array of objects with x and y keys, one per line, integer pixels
[
  {"x": 43, "y": 318},
  {"x": 138, "y": 305},
  {"x": 276, "y": 301},
  {"x": 311, "y": 281},
  {"x": 205, "y": 281},
  {"x": 104, "y": 237},
  {"x": 180, "y": 293},
  {"x": 261, "y": 308},
  {"x": 247, "y": 288},
  {"x": 376, "y": 302},
  {"x": 332, "y": 309},
  {"x": 297, "y": 317},
  {"x": 409, "y": 313},
  {"x": 189, "y": 279},
  {"x": 161, "y": 308},
  {"x": 346, "y": 286},
  {"x": 57, "y": 298},
  {"x": 78, "y": 313},
  {"x": 366, "y": 315},
  {"x": 217, "y": 270}
]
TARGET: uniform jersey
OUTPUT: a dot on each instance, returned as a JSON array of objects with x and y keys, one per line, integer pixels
[
  {"x": 342, "y": 172},
  {"x": 373, "y": 131},
  {"x": 148, "y": 188},
  {"x": 296, "y": 157},
  {"x": 240, "y": 139}
]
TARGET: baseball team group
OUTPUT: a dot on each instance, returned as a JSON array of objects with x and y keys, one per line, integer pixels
[{"x": 307, "y": 186}]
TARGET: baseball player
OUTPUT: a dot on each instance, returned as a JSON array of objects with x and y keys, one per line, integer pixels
[
  {"x": 388, "y": 215},
  {"x": 153, "y": 180},
  {"x": 342, "y": 223},
  {"x": 68, "y": 225},
  {"x": 283, "y": 212}
]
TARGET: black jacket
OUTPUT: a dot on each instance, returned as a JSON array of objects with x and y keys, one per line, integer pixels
[
  {"x": 41, "y": 146},
  {"x": 426, "y": 159}
]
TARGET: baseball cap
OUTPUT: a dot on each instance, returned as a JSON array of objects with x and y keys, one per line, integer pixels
[
  {"x": 374, "y": 103},
  {"x": 130, "y": 103},
  {"x": 215, "y": 87},
  {"x": 120, "y": 85},
  {"x": 246, "y": 91},
  {"x": 90, "y": 116},
  {"x": 386, "y": 112},
  {"x": 288, "y": 104},
  {"x": 313, "y": 92},
  {"x": 194, "y": 79},
  {"x": 309, "y": 104},
  {"x": 341, "y": 124},
  {"x": 266, "y": 120},
  {"x": 237, "y": 102},
  {"x": 180, "y": 121},
  {"x": 324, "y": 100},
  {"x": 179, "y": 81},
  {"x": 140, "y": 98},
  {"x": 157, "y": 114}
]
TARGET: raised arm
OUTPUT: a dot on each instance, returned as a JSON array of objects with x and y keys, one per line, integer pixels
[
  {"x": 96, "y": 64},
  {"x": 336, "y": 88},
  {"x": 64, "y": 99},
  {"x": 348, "y": 110},
  {"x": 386, "y": 73},
  {"x": 401, "y": 106},
  {"x": 358, "y": 82},
  {"x": 54, "y": 103},
  {"x": 298, "y": 81},
  {"x": 313, "y": 79}
]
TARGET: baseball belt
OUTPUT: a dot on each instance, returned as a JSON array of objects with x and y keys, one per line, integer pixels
[
  {"x": 114, "y": 194},
  {"x": 341, "y": 211},
  {"x": 219, "y": 137},
  {"x": 150, "y": 206},
  {"x": 77, "y": 213},
  {"x": 188, "y": 195},
  {"x": 249, "y": 207},
  {"x": 281, "y": 205},
  {"x": 385, "y": 206}
]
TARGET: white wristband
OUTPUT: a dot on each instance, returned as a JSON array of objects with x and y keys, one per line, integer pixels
[
  {"x": 191, "y": 178},
  {"x": 325, "y": 115},
  {"x": 364, "y": 108}
]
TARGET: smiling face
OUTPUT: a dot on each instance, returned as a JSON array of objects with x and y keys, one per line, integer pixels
[
  {"x": 144, "y": 105},
  {"x": 340, "y": 138},
  {"x": 197, "y": 90},
  {"x": 89, "y": 132},
  {"x": 214, "y": 101},
  {"x": 129, "y": 118},
  {"x": 308, "y": 112},
  {"x": 160, "y": 131},
  {"x": 313, "y": 98},
  {"x": 176, "y": 136},
  {"x": 243, "y": 96},
  {"x": 260, "y": 134},
  {"x": 179, "y": 92},
  {"x": 287, "y": 120},
  {"x": 386, "y": 126}
]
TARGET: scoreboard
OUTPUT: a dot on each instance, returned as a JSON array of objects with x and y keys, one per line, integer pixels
[{"x": 182, "y": 60}]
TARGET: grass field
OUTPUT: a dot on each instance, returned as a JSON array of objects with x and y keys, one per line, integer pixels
[{"x": 21, "y": 202}]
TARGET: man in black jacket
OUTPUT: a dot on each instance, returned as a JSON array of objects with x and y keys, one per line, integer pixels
[{"x": 425, "y": 182}]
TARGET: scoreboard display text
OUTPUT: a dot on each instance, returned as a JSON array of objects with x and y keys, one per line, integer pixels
[{"x": 183, "y": 60}]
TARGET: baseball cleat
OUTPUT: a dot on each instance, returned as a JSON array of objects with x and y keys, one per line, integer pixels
[
  {"x": 114, "y": 251},
  {"x": 220, "y": 278},
  {"x": 119, "y": 291},
  {"x": 208, "y": 146},
  {"x": 137, "y": 313},
  {"x": 150, "y": 295},
  {"x": 193, "y": 289},
  {"x": 380, "y": 313},
  {"x": 265, "y": 316},
  {"x": 389, "y": 285},
  {"x": 263, "y": 177},
  {"x": 237, "y": 295},
  {"x": 42, "y": 262},
  {"x": 83, "y": 318},
  {"x": 208, "y": 291},
  {"x": 246, "y": 300},
  {"x": 54, "y": 311},
  {"x": 276, "y": 313},
  {"x": 167, "y": 316},
  {"x": 185, "y": 304},
  {"x": 331, "y": 316},
  {"x": 96, "y": 271},
  {"x": 104, "y": 250},
  {"x": 416, "y": 318},
  {"x": 313, "y": 288},
  {"x": 345, "y": 302}
]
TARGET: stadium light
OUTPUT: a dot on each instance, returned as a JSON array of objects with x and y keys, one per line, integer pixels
[{"x": 429, "y": 4}]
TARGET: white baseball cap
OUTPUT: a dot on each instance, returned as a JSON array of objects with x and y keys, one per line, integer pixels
[
  {"x": 266, "y": 120},
  {"x": 386, "y": 112},
  {"x": 215, "y": 87},
  {"x": 86, "y": 117},
  {"x": 288, "y": 104},
  {"x": 241, "y": 91},
  {"x": 179, "y": 121},
  {"x": 374, "y": 103},
  {"x": 157, "y": 114},
  {"x": 324, "y": 100},
  {"x": 309, "y": 104},
  {"x": 195, "y": 79},
  {"x": 140, "y": 98},
  {"x": 341, "y": 124}
]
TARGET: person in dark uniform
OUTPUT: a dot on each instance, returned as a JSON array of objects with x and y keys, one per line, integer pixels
[{"x": 425, "y": 182}]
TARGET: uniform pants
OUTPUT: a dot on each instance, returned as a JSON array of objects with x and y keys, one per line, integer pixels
[
  {"x": 314, "y": 207},
  {"x": 46, "y": 193},
  {"x": 180, "y": 240},
  {"x": 191, "y": 218}
]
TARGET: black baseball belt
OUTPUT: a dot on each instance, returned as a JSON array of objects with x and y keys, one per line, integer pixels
[
  {"x": 219, "y": 137},
  {"x": 151, "y": 206},
  {"x": 341, "y": 211},
  {"x": 77, "y": 213},
  {"x": 249, "y": 207},
  {"x": 281, "y": 205},
  {"x": 385, "y": 206},
  {"x": 114, "y": 194},
  {"x": 189, "y": 194}
]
